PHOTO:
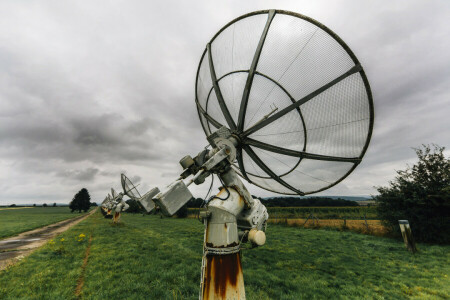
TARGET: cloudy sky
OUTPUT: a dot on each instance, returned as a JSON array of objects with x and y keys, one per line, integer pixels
[{"x": 90, "y": 89}]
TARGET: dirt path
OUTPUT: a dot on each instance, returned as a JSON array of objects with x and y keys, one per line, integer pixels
[{"x": 17, "y": 247}]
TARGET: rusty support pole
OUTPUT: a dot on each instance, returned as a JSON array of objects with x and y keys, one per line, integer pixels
[
  {"x": 116, "y": 217},
  {"x": 222, "y": 276}
]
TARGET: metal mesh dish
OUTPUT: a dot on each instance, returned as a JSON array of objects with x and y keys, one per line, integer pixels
[
  {"x": 129, "y": 188},
  {"x": 294, "y": 94}
]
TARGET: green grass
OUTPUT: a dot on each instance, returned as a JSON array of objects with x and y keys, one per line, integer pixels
[
  {"x": 152, "y": 258},
  {"x": 14, "y": 221}
]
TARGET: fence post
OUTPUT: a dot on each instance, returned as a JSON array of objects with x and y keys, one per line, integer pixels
[
  {"x": 365, "y": 220},
  {"x": 407, "y": 235},
  {"x": 306, "y": 220}
]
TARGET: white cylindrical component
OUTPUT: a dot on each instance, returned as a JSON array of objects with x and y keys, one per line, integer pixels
[
  {"x": 195, "y": 177},
  {"x": 257, "y": 237},
  {"x": 222, "y": 276}
]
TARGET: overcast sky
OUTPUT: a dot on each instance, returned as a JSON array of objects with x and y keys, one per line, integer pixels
[{"x": 90, "y": 89}]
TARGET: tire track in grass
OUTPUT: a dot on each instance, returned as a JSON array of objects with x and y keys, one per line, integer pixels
[
  {"x": 15, "y": 248},
  {"x": 80, "y": 281}
]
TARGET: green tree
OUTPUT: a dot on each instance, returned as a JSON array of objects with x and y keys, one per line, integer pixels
[
  {"x": 420, "y": 194},
  {"x": 44, "y": 205},
  {"x": 54, "y": 204},
  {"x": 81, "y": 201}
]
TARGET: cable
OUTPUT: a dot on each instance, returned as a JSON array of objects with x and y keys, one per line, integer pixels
[
  {"x": 204, "y": 199},
  {"x": 209, "y": 191},
  {"x": 228, "y": 192}
]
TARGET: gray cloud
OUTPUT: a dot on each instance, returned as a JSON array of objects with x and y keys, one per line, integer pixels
[
  {"x": 92, "y": 89},
  {"x": 79, "y": 175}
]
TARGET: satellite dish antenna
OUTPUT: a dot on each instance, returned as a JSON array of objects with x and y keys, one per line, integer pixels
[
  {"x": 113, "y": 193},
  {"x": 114, "y": 205},
  {"x": 131, "y": 191},
  {"x": 108, "y": 204},
  {"x": 286, "y": 105},
  {"x": 293, "y": 94},
  {"x": 104, "y": 208}
]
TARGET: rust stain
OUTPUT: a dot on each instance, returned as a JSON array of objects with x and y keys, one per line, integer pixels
[
  {"x": 222, "y": 272},
  {"x": 241, "y": 198}
]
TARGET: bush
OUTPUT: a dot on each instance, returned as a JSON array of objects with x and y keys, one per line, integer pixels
[
  {"x": 420, "y": 194},
  {"x": 182, "y": 212}
]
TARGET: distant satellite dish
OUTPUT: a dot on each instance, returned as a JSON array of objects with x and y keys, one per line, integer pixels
[
  {"x": 129, "y": 188},
  {"x": 131, "y": 191},
  {"x": 113, "y": 193},
  {"x": 294, "y": 96}
]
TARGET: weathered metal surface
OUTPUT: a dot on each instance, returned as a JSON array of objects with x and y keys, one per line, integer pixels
[
  {"x": 116, "y": 217},
  {"x": 231, "y": 179},
  {"x": 257, "y": 237},
  {"x": 221, "y": 209},
  {"x": 254, "y": 217},
  {"x": 147, "y": 201},
  {"x": 217, "y": 158},
  {"x": 223, "y": 278},
  {"x": 172, "y": 199}
]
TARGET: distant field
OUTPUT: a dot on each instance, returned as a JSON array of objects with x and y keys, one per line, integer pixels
[
  {"x": 373, "y": 227},
  {"x": 17, "y": 220},
  {"x": 20, "y": 207},
  {"x": 350, "y": 212},
  {"x": 151, "y": 258}
]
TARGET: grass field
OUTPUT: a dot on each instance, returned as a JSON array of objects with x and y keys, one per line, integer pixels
[
  {"x": 351, "y": 212},
  {"x": 152, "y": 258},
  {"x": 17, "y": 220},
  {"x": 373, "y": 227}
]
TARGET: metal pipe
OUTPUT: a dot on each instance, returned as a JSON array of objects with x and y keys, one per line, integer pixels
[{"x": 195, "y": 177}]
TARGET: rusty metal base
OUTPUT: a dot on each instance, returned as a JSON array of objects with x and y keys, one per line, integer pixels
[
  {"x": 116, "y": 217},
  {"x": 223, "y": 277}
]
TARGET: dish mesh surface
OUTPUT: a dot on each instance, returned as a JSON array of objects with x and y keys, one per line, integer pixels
[{"x": 294, "y": 93}]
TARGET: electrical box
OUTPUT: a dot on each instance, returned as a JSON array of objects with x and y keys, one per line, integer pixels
[
  {"x": 255, "y": 217},
  {"x": 147, "y": 201},
  {"x": 173, "y": 198}
]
